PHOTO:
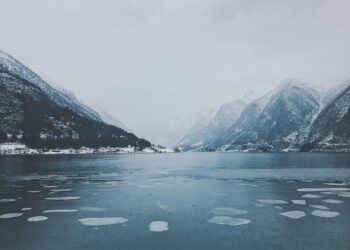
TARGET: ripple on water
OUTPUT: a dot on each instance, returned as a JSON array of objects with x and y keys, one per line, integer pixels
[
  {"x": 322, "y": 189},
  {"x": 7, "y": 200},
  {"x": 64, "y": 198},
  {"x": 228, "y": 211},
  {"x": 229, "y": 221},
  {"x": 61, "y": 190},
  {"x": 321, "y": 207},
  {"x": 26, "y": 209},
  {"x": 273, "y": 202},
  {"x": 60, "y": 211},
  {"x": 294, "y": 214},
  {"x": 158, "y": 226},
  {"x": 102, "y": 221},
  {"x": 37, "y": 218},
  {"x": 93, "y": 209},
  {"x": 324, "y": 214},
  {"x": 333, "y": 201},
  {"x": 10, "y": 215},
  {"x": 312, "y": 196},
  {"x": 344, "y": 194}
]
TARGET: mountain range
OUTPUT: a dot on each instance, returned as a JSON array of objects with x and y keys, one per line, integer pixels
[
  {"x": 35, "y": 113},
  {"x": 295, "y": 116}
]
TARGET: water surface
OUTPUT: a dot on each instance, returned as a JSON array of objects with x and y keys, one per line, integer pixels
[{"x": 175, "y": 201}]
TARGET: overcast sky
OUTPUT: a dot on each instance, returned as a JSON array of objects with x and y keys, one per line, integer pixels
[{"x": 153, "y": 63}]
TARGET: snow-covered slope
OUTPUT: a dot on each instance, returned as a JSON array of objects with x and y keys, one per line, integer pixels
[
  {"x": 60, "y": 97},
  {"x": 273, "y": 121},
  {"x": 330, "y": 129},
  {"x": 223, "y": 119}
]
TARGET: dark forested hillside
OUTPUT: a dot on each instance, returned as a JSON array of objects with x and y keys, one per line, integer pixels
[{"x": 28, "y": 115}]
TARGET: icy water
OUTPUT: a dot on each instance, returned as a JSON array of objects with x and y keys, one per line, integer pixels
[{"x": 175, "y": 201}]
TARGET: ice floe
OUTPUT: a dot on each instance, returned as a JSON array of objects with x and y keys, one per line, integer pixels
[
  {"x": 228, "y": 211},
  {"x": 294, "y": 214},
  {"x": 324, "y": 214},
  {"x": 50, "y": 186},
  {"x": 322, "y": 189},
  {"x": 102, "y": 221},
  {"x": 312, "y": 196},
  {"x": 10, "y": 215},
  {"x": 60, "y": 211},
  {"x": 26, "y": 209},
  {"x": 332, "y": 201},
  {"x": 273, "y": 202},
  {"x": 37, "y": 218},
  {"x": 93, "y": 209},
  {"x": 299, "y": 202},
  {"x": 64, "y": 198},
  {"x": 230, "y": 221},
  {"x": 158, "y": 226},
  {"x": 7, "y": 200},
  {"x": 321, "y": 207}
]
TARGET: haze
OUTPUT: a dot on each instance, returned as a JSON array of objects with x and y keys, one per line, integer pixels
[{"x": 155, "y": 64}]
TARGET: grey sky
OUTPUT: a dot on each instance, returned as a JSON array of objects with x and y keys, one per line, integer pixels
[{"x": 153, "y": 63}]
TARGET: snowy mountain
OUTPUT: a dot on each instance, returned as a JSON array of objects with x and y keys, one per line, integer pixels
[
  {"x": 35, "y": 113},
  {"x": 330, "y": 129},
  {"x": 273, "y": 121},
  {"x": 199, "y": 139},
  {"x": 61, "y": 97}
]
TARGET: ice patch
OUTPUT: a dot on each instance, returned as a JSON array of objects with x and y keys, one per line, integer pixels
[
  {"x": 332, "y": 201},
  {"x": 60, "y": 211},
  {"x": 10, "y": 215},
  {"x": 320, "y": 207},
  {"x": 273, "y": 202},
  {"x": 26, "y": 209},
  {"x": 65, "y": 198},
  {"x": 7, "y": 200},
  {"x": 33, "y": 191},
  {"x": 312, "y": 196},
  {"x": 324, "y": 214},
  {"x": 102, "y": 221},
  {"x": 299, "y": 202},
  {"x": 50, "y": 186},
  {"x": 294, "y": 214},
  {"x": 93, "y": 209},
  {"x": 225, "y": 220},
  {"x": 37, "y": 218},
  {"x": 228, "y": 211},
  {"x": 158, "y": 226},
  {"x": 278, "y": 207},
  {"x": 321, "y": 189}
]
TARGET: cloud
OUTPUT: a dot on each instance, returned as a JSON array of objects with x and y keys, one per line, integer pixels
[{"x": 151, "y": 62}]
